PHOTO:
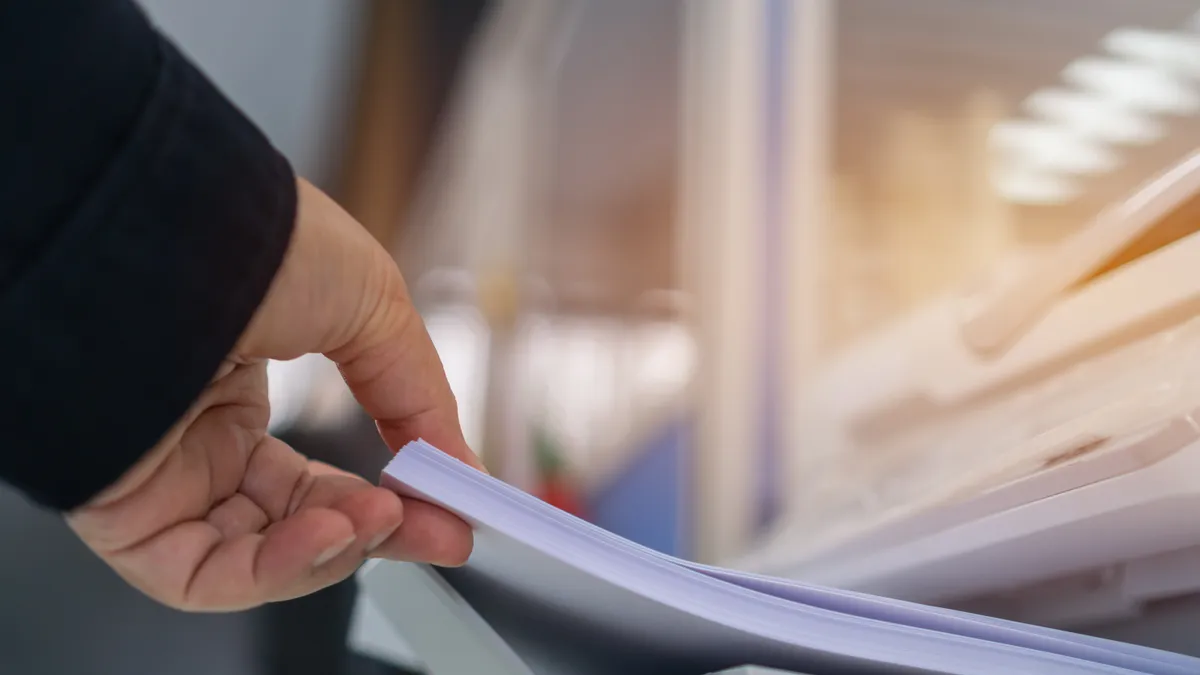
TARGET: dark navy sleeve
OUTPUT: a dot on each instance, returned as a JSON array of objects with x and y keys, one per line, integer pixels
[{"x": 142, "y": 219}]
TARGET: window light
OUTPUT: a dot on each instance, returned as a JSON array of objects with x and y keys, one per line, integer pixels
[
  {"x": 1094, "y": 116},
  {"x": 1052, "y": 147},
  {"x": 1179, "y": 52},
  {"x": 1140, "y": 86},
  {"x": 1034, "y": 188}
]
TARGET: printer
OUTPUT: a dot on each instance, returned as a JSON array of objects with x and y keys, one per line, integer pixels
[{"x": 1029, "y": 448}]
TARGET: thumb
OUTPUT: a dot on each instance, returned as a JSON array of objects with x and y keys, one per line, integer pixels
[
  {"x": 339, "y": 293},
  {"x": 394, "y": 371}
]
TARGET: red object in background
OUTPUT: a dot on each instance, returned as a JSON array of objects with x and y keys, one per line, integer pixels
[
  {"x": 561, "y": 495},
  {"x": 554, "y": 482}
]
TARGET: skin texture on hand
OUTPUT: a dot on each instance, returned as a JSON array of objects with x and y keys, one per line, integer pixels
[{"x": 219, "y": 515}]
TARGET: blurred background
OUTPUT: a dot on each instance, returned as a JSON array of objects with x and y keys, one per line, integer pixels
[{"x": 636, "y": 229}]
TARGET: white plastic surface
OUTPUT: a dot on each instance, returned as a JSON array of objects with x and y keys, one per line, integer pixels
[
  {"x": 1148, "y": 512},
  {"x": 932, "y": 471}
]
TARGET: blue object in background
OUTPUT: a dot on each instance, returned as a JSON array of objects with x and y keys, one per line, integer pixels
[{"x": 649, "y": 500}]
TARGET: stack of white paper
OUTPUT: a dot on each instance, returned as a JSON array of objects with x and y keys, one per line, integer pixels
[{"x": 637, "y": 610}]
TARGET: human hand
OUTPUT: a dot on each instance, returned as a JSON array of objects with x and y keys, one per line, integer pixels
[{"x": 219, "y": 515}]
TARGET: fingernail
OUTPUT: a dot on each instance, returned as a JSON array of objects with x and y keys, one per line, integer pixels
[
  {"x": 333, "y": 552},
  {"x": 378, "y": 540}
]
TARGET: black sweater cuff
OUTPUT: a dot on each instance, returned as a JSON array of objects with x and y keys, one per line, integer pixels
[{"x": 120, "y": 320}]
